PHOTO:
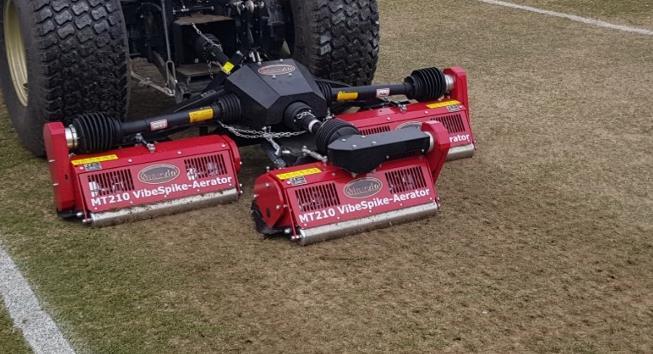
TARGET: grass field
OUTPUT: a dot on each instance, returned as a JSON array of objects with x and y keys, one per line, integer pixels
[
  {"x": 630, "y": 12},
  {"x": 545, "y": 242},
  {"x": 11, "y": 339}
]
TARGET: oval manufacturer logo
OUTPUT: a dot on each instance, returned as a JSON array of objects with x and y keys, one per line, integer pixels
[
  {"x": 363, "y": 187},
  {"x": 277, "y": 69},
  {"x": 158, "y": 174}
]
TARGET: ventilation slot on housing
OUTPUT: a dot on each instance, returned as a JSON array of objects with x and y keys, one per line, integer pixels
[
  {"x": 453, "y": 123},
  {"x": 317, "y": 197},
  {"x": 405, "y": 180},
  {"x": 376, "y": 130},
  {"x": 205, "y": 167},
  {"x": 110, "y": 183}
]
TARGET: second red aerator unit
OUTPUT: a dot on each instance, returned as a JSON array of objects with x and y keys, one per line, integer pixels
[{"x": 330, "y": 175}]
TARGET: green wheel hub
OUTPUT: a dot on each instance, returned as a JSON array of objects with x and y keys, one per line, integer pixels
[{"x": 15, "y": 49}]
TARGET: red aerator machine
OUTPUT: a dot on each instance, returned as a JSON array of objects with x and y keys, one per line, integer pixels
[{"x": 329, "y": 174}]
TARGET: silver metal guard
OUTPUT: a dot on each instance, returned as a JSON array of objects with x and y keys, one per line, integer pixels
[
  {"x": 164, "y": 208},
  {"x": 461, "y": 152},
  {"x": 341, "y": 229}
]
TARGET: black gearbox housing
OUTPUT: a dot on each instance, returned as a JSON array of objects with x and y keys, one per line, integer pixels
[
  {"x": 362, "y": 154},
  {"x": 266, "y": 90}
]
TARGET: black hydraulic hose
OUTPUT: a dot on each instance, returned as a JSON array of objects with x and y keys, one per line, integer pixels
[
  {"x": 227, "y": 68},
  {"x": 208, "y": 46}
]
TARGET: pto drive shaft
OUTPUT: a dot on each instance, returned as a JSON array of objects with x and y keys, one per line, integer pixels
[
  {"x": 421, "y": 85},
  {"x": 95, "y": 132}
]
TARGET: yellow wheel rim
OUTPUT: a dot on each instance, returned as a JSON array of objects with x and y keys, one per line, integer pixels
[{"x": 15, "y": 49}]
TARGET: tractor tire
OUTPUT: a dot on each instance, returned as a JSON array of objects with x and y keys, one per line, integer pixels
[
  {"x": 63, "y": 58},
  {"x": 336, "y": 39}
]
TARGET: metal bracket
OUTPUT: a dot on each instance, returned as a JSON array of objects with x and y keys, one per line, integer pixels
[
  {"x": 140, "y": 140},
  {"x": 146, "y": 81}
]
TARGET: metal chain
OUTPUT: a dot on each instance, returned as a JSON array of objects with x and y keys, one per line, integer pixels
[{"x": 256, "y": 134}]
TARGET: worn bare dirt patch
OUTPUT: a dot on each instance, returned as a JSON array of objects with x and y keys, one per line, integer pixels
[{"x": 544, "y": 244}]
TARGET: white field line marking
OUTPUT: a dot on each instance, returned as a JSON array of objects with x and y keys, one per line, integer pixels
[
  {"x": 580, "y": 19},
  {"x": 38, "y": 328}
]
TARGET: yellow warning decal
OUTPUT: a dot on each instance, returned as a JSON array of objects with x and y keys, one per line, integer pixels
[
  {"x": 443, "y": 104},
  {"x": 347, "y": 96},
  {"x": 201, "y": 115},
  {"x": 228, "y": 67},
  {"x": 300, "y": 173},
  {"x": 91, "y": 160}
]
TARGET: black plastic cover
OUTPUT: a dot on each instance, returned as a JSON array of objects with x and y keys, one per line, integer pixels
[
  {"x": 267, "y": 89},
  {"x": 363, "y": 154}
]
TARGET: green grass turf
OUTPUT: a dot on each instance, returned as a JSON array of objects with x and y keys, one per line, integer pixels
[
  {"x": 11, "y": 338},
  {"x": 112, "y": 293},
  {"x": 632, "y": 12}
]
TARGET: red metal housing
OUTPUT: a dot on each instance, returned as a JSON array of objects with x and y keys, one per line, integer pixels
[
  {"x": 311, "y": 202},
  {"x": 315, "y": 202},
  {"x": 135, "y": 183},
  {"x": 452, "y": 111}
]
